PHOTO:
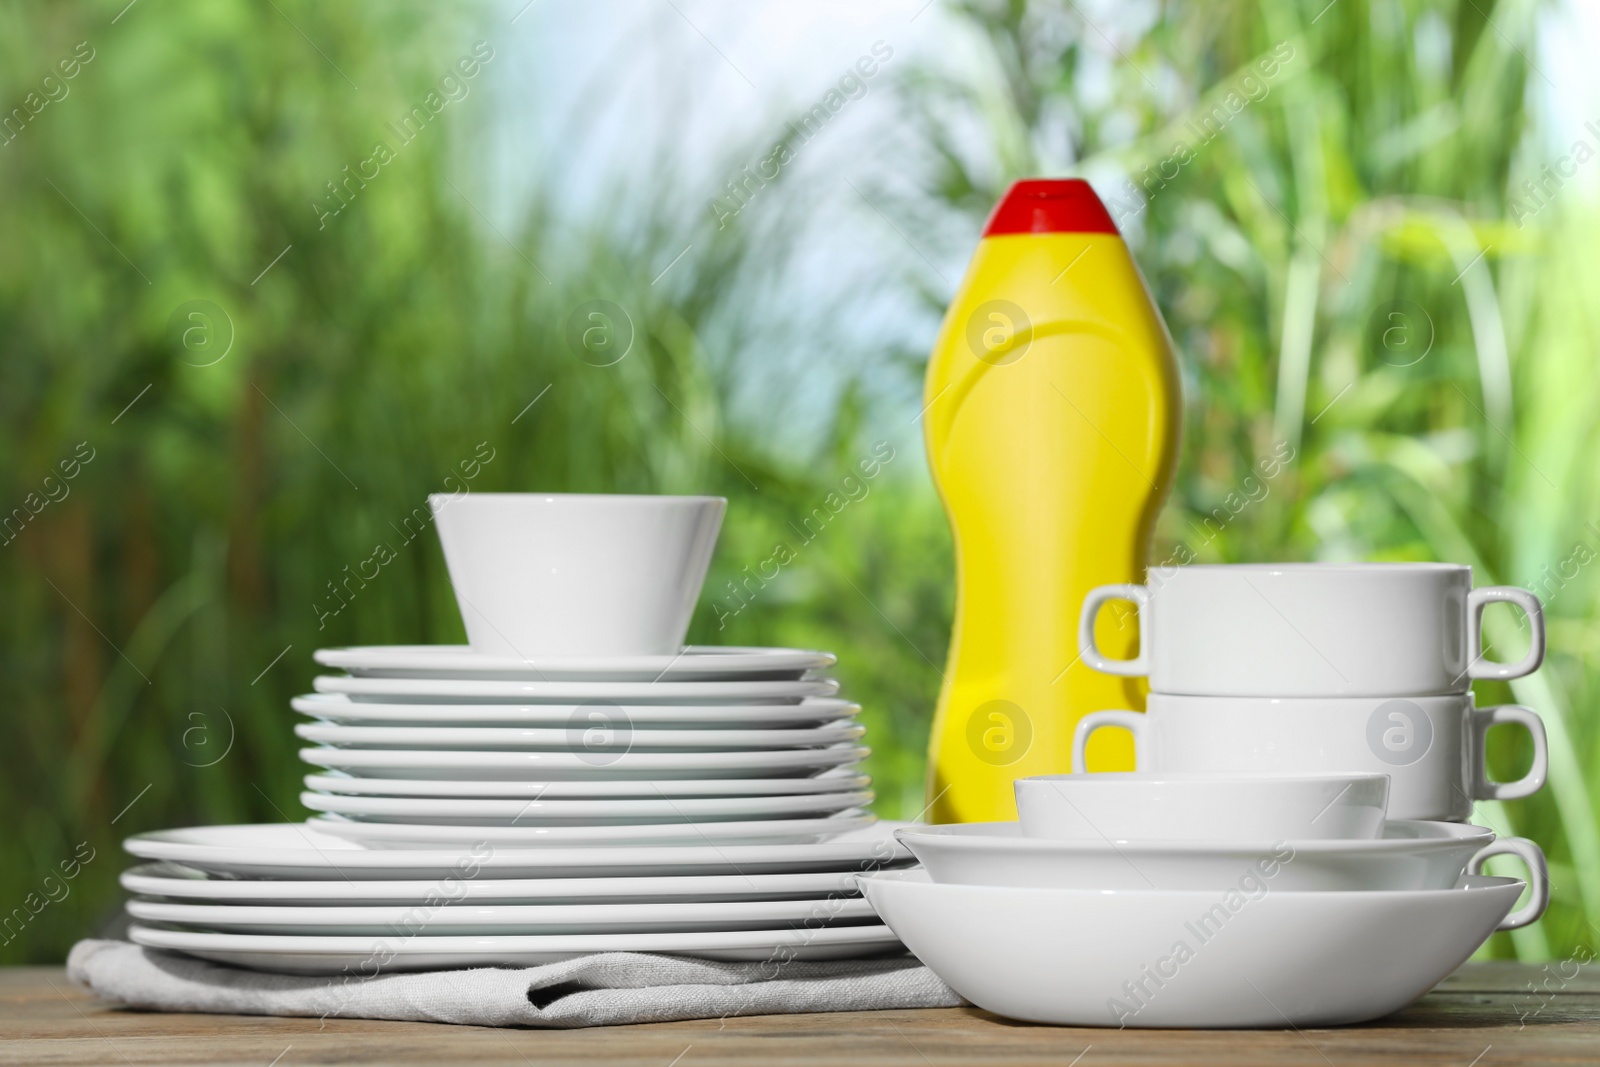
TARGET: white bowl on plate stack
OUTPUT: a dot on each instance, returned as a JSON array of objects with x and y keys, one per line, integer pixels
[
  {"x": 575, "y": 780},
  {"x": 1201, "y": 900}
]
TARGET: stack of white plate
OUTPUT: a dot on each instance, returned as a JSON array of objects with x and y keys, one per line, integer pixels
[{"x": 474, "y": 809}]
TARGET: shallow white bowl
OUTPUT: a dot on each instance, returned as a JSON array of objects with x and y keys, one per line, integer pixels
[
  {"x": 1411, "y": 855},
  {"x": 1134, "y": 805},
  {"x": 1188, "y": 959}
]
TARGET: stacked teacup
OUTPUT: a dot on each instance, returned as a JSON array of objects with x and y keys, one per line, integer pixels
[
  {"x": 574, "y": 780},
  {"x": 1292, "y": 850},
  {"x": 1322, "y": 667}
]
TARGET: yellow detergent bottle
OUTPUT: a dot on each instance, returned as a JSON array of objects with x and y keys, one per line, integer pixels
[{"x": 1052, "y": 430}]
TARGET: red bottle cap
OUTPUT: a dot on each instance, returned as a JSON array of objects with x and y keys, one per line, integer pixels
[{"x": 1049, "y": 205}]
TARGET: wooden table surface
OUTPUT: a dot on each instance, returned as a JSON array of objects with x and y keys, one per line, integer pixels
[{"x": 1484, "y": 1015}]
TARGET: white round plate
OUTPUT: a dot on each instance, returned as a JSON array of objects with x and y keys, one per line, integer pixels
[
  {"x": 297, "y": 851},
  {"x": 335, "y": 707},
  {"x": 574, "y": 738},
  {"x": 1410, "y": 855},
  {"x": 454, "y": 690},
  {"x": 696, "y": 663},
  {"x": 458, "y": 811},
  {"x": 597, "y": 764},
  {"x": 443, "y": 920},
  {"x": 422, "y": 835},
  {"x": 1204, "y": 958},
  {"x": 836, "y": 780},
  {"x": 289, "y": 954},
  {"x": 175, "y": 882}
]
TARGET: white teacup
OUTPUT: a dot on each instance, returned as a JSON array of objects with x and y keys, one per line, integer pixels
[
  {"x": 557, "y": 574},
  {"x": 1144, "y": 806},
  {"x": 1312, "y": 629},
  {"x": 1432, "y": 748}
]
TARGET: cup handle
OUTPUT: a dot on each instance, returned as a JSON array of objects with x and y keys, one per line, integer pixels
[
  {"x": 1090, "y": 652},
  {"x": 1538, "y": 877},
  {"x": 1528, "y": 784},
  {"x": 1132, "y": 721},
  {"x": 1477, "y": 600}
]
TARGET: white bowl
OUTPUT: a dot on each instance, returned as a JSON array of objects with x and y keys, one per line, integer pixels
[
  {"x": 1411, "y": 855},
  {"x": 572, "y": 574},
  {"x": 1135, "y": 805},
  {"x": 1188, "y": 959}
]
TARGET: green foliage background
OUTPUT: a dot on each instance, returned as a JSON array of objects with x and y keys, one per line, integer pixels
[{"x": 148, "y": 606}]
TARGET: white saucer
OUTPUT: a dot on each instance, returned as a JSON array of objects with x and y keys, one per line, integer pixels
[
  {"x": 760, "y": 831},
  {"x": 571, "y": 738},
  {"x": 364, "y": 956},
  {"x": 296, "y": 851},
  {"x": 838, "y": 779},
  {"x": 172, "y": 881},
  {"x": 443, "y": 920},
  {"x": 335, "y": 707},
  {"x": 592, "y": 812},
  {"x": 1410, "y": 855},
  {"x": 1188, "y": 959},
  {"x": 405, "y": 763},
  {"x": 695, "y": 663},
  {"x": 449, "y": 690}
]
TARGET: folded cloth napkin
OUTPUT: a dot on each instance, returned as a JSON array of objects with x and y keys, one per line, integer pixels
[{"x": 599, "y": 990}]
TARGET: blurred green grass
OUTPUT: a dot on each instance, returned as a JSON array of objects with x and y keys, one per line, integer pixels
[{"x": 162, "y": 611}]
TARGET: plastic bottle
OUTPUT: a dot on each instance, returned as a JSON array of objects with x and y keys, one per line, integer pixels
[{"x": 1052, "y": 431}]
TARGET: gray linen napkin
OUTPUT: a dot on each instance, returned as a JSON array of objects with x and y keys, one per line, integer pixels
[{"x": 600, "y": 990}]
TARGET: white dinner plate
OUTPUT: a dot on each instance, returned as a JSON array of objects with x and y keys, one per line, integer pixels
[
  {"x": 758, "y": 831},
  {"x": 540, "y": 812},
  {"x": 838, "y": 779},
  {"x": 1410, "y": 855},
  {"x": 444, "y": 920},
  {"x": 1203, "y": 958},
  {"x": 335, "y": 707},
  {"x": 599, "y": 764},
  {"x": 575, "y": 738},
  {"x": 695, "y": 663},
  {"x": 456, "y": 690},
  {"x": 287, "y": 953},
  {"x": 296, "y": 850},
  {"x": 175, "y": 882}
]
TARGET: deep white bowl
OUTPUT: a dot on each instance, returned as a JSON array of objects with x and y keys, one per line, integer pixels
[
  {"x": 576, "y": 574},
  {"x": 1188, "y": 959}
]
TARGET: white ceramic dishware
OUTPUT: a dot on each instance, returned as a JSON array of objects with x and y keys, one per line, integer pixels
[
  {"x": 445, "y": 920},
  {"x": 842, "y": 778},
  {"x": 1431, "y": 747},
  {"x": 577, "y": 737},
  {"x": 608, "y": 758},
  {"x": 297, "y": 851},
  {"x": 170, "y": 881},
  {"x": 458, "y": 811},
  {"x": 1146, "y": 958},
  {"x": 566, "y": 574},
  {"x": 383, "y": 835},
  {"x": 334, "y": 707},
  {"x": 583, "y": 693},
  {"x": 1312, "y": 629},
  {"x": 1410, "y": 855},
  {"x": 366, "y": 955},
  {"x": 695, "y": 663},
  {"x": 1144, "y": 805}
]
